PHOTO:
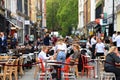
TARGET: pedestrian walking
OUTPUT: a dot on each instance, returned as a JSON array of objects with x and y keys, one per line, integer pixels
[
  {"x": 26, "y": 39},
  {"x": 93, "y": 43},
  {"x": 88, "y": 44},
  {"x": 31, "y": 39},
  {"x": 113, "y": 38},
  {"x": 13, "y": 42},
  {"x": 46, "y": 40},
  {"x": 3, "y": 43}
]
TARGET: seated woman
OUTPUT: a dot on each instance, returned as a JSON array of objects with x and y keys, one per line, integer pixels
[
  {"x": 42, "y": 55},
  {"x": 75, "y": 56},
  {"x": 112, "y": 58}
]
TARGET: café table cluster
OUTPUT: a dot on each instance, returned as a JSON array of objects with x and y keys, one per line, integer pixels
[{"x": 15, "y": 63}]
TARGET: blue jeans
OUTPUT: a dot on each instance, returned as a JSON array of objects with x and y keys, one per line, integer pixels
[{"x": 61, "y": 56}]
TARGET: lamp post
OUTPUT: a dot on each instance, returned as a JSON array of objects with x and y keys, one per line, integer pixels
[{"x": 113, "y": 14}]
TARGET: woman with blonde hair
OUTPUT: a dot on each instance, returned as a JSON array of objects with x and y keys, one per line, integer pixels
[
  {"x": 112, "y": 49},
  {"x": 43, "y": 54},
  {"x": 112, "y": 58},
  {"x": 75, "y": 56},
  {"x": 76, "y": 49}
]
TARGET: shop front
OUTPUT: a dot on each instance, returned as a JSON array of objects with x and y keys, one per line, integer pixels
[
  {"x": 20, "y": 32},
  {"x": 91, "y": 28},
  {"x": 4, "y": 25},
  {"x": 109, "y": 27},
  {"x": 13, "y": 28}
]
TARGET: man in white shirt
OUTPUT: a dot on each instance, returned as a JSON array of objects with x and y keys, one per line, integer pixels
[
  {"x": 113, "y": 38},
  {"x": 118, "y": 41}
]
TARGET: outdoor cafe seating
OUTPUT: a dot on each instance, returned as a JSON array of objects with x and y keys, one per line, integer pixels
[
  {"x": 86, "y": 66},
  {"x": 62, "y": 73},
  {"x": 13, "y": 70},
  {"x": 6, "y": 69}
]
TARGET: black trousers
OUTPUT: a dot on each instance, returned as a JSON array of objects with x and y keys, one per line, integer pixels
[
  {"x": 93, "y": 51},
  {"x": 114, "y": 43},
  {"x": 99, "y": 54},
  {"x": 3, "y": 49},
  {"x": 58, "y": 72},
  {"x": 118, "y": 48},
  {"x": 114, "y": 70}
]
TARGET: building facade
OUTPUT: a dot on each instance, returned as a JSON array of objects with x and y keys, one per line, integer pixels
[
  {"x": 80, "y": 16},
  {"x": 85, "y": 15},
  {"x": 19, "y": 16},
  {"x": 43, "y": 13},
  {"x": 89, "y": 16},
  {"x": 4, "y": 23},
  {"x": 118, "y": 14}
]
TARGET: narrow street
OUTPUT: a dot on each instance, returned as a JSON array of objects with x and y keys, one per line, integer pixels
[{"x": 73, "y": 38}]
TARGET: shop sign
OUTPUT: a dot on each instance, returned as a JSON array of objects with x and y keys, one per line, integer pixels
[
  {"x": 103, "y": 21},
  {"x": 109, "y": 19},
  {"x": 27, "y": 22}
]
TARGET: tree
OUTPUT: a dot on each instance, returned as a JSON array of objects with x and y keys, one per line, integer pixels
[
  {"x": 52, "y": 8},
  {"x": 63, "y": 14}
]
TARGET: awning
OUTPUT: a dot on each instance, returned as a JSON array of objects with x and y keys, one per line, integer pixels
[
  {"x": 91, "y": 24},
  {"x": 14, "y": 26}
]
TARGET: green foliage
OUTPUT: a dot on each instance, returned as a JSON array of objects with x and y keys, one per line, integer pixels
[{"x": 63, "y": 14}]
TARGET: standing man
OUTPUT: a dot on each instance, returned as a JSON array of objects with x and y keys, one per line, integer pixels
[
  {"x": 117, "y": 39},
  {"x": 113, "y": 38},
  {"x": 46, "y": 40},
  {"x": 3, "y": 43},
  {"x": 13, "y": 42},
  {"x": 31, "y": 39}
]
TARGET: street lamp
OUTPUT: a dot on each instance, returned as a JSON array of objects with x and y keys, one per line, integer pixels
[{"x": 113, "y": 14}]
